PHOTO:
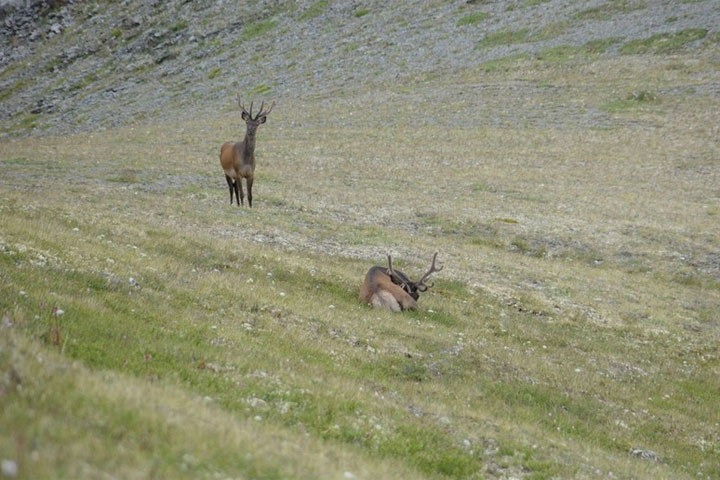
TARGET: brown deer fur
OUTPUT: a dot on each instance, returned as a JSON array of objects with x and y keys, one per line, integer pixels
[
  {"x": 238, "y": 158},
  {"x": 385, "y": 287}
]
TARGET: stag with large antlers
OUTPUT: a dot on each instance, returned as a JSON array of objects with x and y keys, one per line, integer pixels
[
  {"x": 386, "y": 287},
  {"x": 238, "y": 158}
]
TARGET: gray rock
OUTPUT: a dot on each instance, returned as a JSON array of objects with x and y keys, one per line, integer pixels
[{"x": 646, "y": 454}]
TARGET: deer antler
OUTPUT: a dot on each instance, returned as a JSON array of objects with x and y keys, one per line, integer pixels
[
  {"x": 433, "y": 268},
  {"x": 241, "y": 104},
  {"x": 261, "y": 112},
  {"x": 397, "y": 279}
]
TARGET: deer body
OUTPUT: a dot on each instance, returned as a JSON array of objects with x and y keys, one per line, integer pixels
[
  {"x": 238, "y": 158},
  {"x": 379, "y": 291},
  {"x": 392, "y": 289}
]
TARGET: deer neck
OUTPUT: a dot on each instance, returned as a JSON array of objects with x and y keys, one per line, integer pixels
[{"x": 249, "y": 146}]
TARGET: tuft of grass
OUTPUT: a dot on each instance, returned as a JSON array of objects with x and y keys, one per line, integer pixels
[
  {"x": 532, "y": 3},
  {"x": 610, "y": 8},
  {"x": 127, "y": 175},
  {"x": 260, "y": 89},
  {"x": 632, "y": 100},
  {"x": 550, "y": 31},
  {"x": 559, "y": 53},
  {"x": 472, "y": 19},
  {"x": 361, "y": 12},
  {"x": 663, "y": 42},
  {"x": 600, "y": 45},
  {"x": 214, "y": 73},
  {"x": 504, "y": 64},
  {"x": 181, "y": 25},
  {"x": 14, "y": 88},
  {"x": 28, "y": 121},
  {"x": 503, "y": 37},
  {"x": 314, "y": 10},
  {"x": 257, "y": 29}
]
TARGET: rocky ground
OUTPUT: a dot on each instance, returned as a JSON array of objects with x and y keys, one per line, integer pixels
[{"x": 74, "y": 65}]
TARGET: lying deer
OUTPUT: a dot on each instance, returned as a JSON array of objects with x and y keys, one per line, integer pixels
[
  {"x": 393, "y": 289},
  {"x": 238, "y": 158}
]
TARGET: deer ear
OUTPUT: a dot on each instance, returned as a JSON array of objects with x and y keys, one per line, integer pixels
[
  {"x": 245, "y": 116},
  {"x": 262, "y": 119}
]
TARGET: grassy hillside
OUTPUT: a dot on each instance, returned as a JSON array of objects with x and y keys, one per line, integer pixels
[{"x": 572, "y": 192}]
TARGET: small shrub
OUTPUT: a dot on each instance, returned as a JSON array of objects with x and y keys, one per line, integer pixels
[
  {"x": 361, "y": 12},
  {"x": 214, "y": 73}
]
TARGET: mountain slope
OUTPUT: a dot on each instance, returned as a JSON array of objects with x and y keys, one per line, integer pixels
[{"x": 95, "y": 64}]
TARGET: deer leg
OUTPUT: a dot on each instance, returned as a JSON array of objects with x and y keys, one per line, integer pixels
[
  {"x": 239, "y": 190},
  {"x": 385, "y": 299},
  {"x": 393, "y": 298},
  {"x": 405, "y": 301},
  {"x": 249, "y": 185},
  {"x": 230, "y": 186}
]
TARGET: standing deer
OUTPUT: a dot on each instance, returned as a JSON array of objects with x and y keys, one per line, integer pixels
[
  {"x": 238, "y": 158},
  {"x": 393, "y": 289}
]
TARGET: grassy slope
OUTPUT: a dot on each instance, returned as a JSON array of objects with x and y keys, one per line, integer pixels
[{"x": 576, "y": 318}]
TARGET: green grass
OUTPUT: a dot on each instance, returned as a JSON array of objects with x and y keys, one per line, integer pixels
[
  {"x": 549, "y": 31},
  {"x": 610, "y": 8},
  {"x": 503, "y": 37},
  {"x": 632, "y": 100},
  {"x": 176, "y": 27},
  {"x": 600, "y": 45},
  {"x": 472, "y": 18},
  {"x": 361, "y": 12},
  {"x": 574, "y": 320},
  {"x": 260, "y": 89},
  {"x": 559, "y": 53},
  {"x": 257, "y": 29},
  {"x": 13, "y": 89},
  {"x": 504, "y": 64},
  {"x": 214, "y": 72},
  {"x": 663, "y": 43},
  {"x": 314, "y": 10}
]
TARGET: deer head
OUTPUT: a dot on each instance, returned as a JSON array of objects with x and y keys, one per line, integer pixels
[
  {"x": 259, "y": 118},
  {"x": 413, "y": 288}
]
